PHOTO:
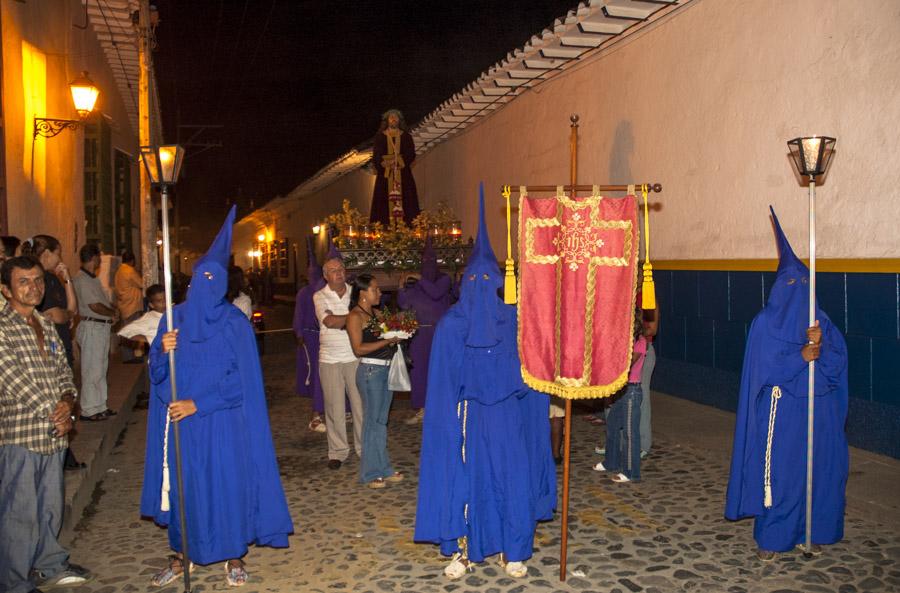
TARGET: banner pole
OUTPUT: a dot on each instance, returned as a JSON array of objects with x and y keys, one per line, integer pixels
[{"x": 567, "y": 421}]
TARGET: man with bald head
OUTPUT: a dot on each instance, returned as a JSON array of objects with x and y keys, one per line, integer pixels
[{"x": 337, "y": 363}]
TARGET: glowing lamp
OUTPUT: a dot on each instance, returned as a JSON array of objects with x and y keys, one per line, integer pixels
[
  {"x": 163, "y": 163},
  {"x": 84, "y": 95},
  {"x": 811, "y": 154},
  {"x": 316, "y": 229},
  {"x": 260, "y": 237}
]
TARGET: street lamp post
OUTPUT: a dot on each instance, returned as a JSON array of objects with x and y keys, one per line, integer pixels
[
  {"x": 811, "y": 155},
  {"x": 163, "y": 164}
]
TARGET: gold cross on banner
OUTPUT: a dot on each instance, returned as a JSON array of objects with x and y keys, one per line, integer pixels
[{"x": 578, "y": 239}]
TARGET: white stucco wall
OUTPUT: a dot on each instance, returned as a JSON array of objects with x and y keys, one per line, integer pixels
[{"x": 703, "y": 102}]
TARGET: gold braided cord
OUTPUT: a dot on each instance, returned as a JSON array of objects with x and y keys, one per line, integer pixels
[
  {"x": 530, "y": 225},
  {"x": 587, "y": 392},
  {"x": 558, "y": 313}
]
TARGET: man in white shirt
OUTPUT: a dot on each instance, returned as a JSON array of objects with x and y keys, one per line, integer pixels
[{"x": 337, "y": 363}]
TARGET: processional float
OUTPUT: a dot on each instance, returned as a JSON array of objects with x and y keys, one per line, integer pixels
[{"x": 577, "y": 286}]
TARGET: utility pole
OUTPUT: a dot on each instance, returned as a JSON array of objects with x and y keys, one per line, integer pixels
[{"x": 149, "y": 261}]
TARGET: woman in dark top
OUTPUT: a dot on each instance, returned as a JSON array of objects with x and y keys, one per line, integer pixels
[
  {"x": 59, "y": 304},
  {"x": 372, "y": 379}
]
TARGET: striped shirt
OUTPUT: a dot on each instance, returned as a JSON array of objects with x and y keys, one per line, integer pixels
[{"x": 30, "y": 384}]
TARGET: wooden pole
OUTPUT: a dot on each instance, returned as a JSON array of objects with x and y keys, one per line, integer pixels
[
  {"x": 149, "y": 262},
  {"x": 567, "y": 421}
]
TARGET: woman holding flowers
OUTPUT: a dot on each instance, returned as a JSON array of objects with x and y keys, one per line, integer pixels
[{"x": 375, "y": 347}]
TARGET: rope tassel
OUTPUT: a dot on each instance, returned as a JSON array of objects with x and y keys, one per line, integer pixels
[
  {"x": 648, "y": 288},
  {"x": 509, "y": 281},
  {"x": 767, "y": 481},
  {"x": 164, "y": 492}
]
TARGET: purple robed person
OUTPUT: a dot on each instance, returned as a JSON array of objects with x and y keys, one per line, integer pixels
[
  {"x": 306, "y": 328},
  {"x": 429, "y": 297}
]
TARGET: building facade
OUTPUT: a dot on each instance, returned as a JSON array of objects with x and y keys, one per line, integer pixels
[{"x": 701, "y": 97}]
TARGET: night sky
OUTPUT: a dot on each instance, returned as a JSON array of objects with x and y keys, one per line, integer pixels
[{"x": 298, "y": 83}]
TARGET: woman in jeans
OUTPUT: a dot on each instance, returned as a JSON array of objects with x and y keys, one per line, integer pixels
[{"x": 375, "y": 356}]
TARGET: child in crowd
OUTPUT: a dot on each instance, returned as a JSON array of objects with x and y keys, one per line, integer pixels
[
  {"x": 623, "y": 439},
  {"x": 143, "y": 329}
]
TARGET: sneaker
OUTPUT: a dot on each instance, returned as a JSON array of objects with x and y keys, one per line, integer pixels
[
  {"x": 600, "y": 450},
  {"x": 599, "y": 467},
  {"x": 72, "y": 576},
  {"x": 317, "y": 424},
  {"x": 644, "y": 454},
  {"x": 415, "y": 418}
]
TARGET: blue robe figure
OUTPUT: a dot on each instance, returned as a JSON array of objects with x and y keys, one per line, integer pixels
[
  {"x": 306, "y": 328},
  {"x": 429, "y": 297},
  {"x": 486, "y": 472},
  {"x": 768, "y": 462},
  {"x": 232, "y": 488}
]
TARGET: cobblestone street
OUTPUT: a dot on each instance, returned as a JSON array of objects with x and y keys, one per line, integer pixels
[{"x": 664, "y": 534}]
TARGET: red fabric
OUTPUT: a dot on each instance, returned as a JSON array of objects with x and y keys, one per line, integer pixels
[{"x": 577, "y": 236}]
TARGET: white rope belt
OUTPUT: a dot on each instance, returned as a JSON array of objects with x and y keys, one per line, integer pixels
[
  {"x": 308, "y": 365},
  {"x": 773, "y": 410},
  {"x": 164, "y": 494}
]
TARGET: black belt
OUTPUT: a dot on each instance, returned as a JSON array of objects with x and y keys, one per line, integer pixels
[{"x": 96, "y": 320}]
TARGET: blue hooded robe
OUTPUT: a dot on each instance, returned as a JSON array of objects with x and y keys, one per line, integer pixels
[
  {"x": 232, "y": 487},
  {"x": 486, "y": 470},
  {"x": 772, "y": 359}
]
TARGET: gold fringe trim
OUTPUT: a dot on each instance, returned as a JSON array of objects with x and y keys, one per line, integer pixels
[{"x": 575, "y": 392}]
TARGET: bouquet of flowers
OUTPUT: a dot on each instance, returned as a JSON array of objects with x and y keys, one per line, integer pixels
[{"x": 393, "y": 324}]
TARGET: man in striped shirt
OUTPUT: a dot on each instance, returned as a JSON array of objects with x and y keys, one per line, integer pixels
[{"x": 37, "y": 398}]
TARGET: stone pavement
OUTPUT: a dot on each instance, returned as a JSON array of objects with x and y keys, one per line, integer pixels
[{"x": 665, "y": 534}]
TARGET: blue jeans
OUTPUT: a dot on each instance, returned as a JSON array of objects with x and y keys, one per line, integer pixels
[
  {"x": 623, "y": 439},
  {"x": 372, "y": 381},
  {"x": 31, "y": 512}
]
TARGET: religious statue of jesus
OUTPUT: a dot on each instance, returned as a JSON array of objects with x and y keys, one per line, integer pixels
[{"x": 394, "y": 196}]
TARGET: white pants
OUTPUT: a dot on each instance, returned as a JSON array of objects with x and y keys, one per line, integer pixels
[
  {"x": 93, "y": 338},
  {"x": 339, "y": 378}
]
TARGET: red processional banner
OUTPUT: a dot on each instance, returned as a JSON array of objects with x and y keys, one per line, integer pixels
[{"x": 577, "y": 284}]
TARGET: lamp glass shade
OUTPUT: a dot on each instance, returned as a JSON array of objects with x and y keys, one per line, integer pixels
[
  {"x": 151, "y": 163},
  {"x": 260, "y": 237},
  {"x": 170, "y": 158},
  {"x": 811, "y": 154},
  {"x": 84, "y": 94}
]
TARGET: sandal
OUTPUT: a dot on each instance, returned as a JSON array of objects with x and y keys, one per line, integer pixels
[
  {"x": 376, "y": 483},
  {"x": 620, "y": 478},
  {"x": 235, "y": 576},
  {"x": 458, "y": 567},
  {"x": 395, "y": 477},
  {"x": 169, "y": 573},
  {"x": 516, "y": 569}
]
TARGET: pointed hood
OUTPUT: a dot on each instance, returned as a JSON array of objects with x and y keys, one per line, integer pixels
[
  {"x": 333, "y": 252},
  {"x": 429, "y": 268},
  {"x": 480, "y": 282},
  {"x": 205, "y": 307},
  {"x": 787, "y": 310},
  {"x": 313, "y": 269}
]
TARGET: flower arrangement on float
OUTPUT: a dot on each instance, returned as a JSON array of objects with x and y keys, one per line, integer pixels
[
  {"x": 397, "y": 245},
  {"x": 388, "y": 323}
]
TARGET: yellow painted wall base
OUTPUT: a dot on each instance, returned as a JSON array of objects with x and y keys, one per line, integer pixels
[{"x": 881, "y": 266}]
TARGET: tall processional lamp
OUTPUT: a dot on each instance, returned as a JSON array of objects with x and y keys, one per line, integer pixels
[
  {"x": 811, "y": 155},
  {"x": 163, "y": 164}
]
